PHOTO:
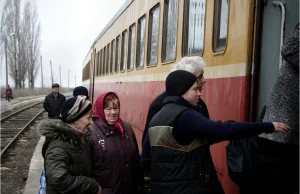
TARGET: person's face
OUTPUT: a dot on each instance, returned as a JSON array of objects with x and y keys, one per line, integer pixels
[
  {"x": 56, "y": 89},
  {"x": 83, "y": 123},
  {"x": 193, "y": 94},
  {"x": 200, "y": 77},
  {"x": 111, "y": 112}
]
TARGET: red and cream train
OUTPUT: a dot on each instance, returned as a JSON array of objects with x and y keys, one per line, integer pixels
[{"x": 134, "y": 53}]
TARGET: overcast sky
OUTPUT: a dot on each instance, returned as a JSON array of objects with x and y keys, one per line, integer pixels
[{"x": 69, "y": 28}]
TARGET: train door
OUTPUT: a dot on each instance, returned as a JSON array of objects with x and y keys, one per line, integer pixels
[{"x": 274, "y": 13}]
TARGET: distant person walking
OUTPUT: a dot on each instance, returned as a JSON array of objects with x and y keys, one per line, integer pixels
[
  {"x": 8, "y": 93},
  {"x": 53, "y": 102}
]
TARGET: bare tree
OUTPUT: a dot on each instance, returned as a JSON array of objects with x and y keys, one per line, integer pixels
[
  {"x": 11, "y": 32},
  {"x": 31, "y": 34}
]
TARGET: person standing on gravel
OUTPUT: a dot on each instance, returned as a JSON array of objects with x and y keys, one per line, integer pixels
[{"x": 53, "y": 102}]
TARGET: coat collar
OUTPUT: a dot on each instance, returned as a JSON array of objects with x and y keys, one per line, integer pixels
[{"x": 104, "y": 127}]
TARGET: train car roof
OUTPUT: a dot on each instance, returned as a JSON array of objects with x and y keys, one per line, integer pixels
[{"x": 111, "y": 22}]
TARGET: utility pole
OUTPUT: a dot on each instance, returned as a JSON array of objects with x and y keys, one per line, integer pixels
[
  {"x": 59, "y": 76},
  {"x": 68, "y": 78},
  {"x": 6, "y": 62},
  {"x": 51, "y": 72},
  {"x": 16, "y": 67},
  {"x": 42, "y": 72}
]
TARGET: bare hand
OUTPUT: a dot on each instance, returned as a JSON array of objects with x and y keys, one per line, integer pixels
[
  {"x": 281, "y": 127},
  {"x": 100, "y": 190}
]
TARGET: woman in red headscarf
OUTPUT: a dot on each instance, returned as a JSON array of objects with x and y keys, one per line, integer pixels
[{"x": 115, "y": 158}]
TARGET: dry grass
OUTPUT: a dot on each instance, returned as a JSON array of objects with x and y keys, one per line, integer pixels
[{"x": 33, "y": 92}]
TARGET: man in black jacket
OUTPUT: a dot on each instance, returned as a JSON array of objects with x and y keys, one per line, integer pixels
[
  {"x": 53, "y": 102},
  {"x": 193, "y": 65}
]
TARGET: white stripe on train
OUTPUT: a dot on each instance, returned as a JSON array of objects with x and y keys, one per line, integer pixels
[{"x": 223, "y": 71}]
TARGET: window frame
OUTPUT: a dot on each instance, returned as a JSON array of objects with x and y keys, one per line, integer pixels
[
  {"x": 184, "y": 31},
  {"x": 124, "y": 51},
  {"x": 117, "y": 54},
  {"x": 107, "y": 59},
  {"x": 163, "y": 62},
  {"x": 134, "y": 43},
  {"x": 98, "y": 64},
  {"x": 112, "y": 53},
  {"x": 149, "y": 38},
  {"x": 222, "y": 50},
  {"x": 104, "y": 61},
  {"x": 101, "y": 62},
  {"x": 138, "y": 42}
]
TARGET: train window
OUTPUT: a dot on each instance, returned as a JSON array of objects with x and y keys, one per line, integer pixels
[
  {"x": 220, "y": 25},
  {"x": 98, "y": 64},
  {"x": 86, "y": 72},
  {"x": 117, "y": 60},
  {"x": 170, "y": 30},
  {"x": 194, "y": 25},
  {"x": 123, "y": 51},
  {"x": 140, "y": 47},
  {"x": 131, "y": 47},
  {"x": 104, "y": 61},
  {"x": 107, "y": 60},
  {"x": 112, "y": 53},
  {"x": 101, "y": 62},
  {"x": 153, "y": 35}
]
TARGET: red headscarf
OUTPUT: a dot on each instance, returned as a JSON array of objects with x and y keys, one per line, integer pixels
[{"x": 99, "y": 111}]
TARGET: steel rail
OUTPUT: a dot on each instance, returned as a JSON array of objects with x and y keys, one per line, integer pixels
[
  {"x": 17, "y": 135},
  {"x": 12, "y": 114}
]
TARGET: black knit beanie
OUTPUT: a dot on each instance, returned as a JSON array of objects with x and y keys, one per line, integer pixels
[
  {"x": 74, "y": 108},
  {"x": 179, "y": 82},
  {"x": 80, "y": 90}
]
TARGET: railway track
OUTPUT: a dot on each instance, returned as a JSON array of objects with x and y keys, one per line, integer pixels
[{"x": 14, "y": 124}]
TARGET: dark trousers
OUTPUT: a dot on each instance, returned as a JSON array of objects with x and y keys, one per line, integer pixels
[
  {"x": 276, "y": 167},
  {"x": 8, "y": 97}
]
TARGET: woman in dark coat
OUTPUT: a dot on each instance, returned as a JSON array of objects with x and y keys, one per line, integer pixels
[
  {"x": 179, "y": 137},
  {"x": 115, "y": 157},
  {"x": 66, "y": 154}
]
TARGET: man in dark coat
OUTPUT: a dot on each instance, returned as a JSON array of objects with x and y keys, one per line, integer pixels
[
  {"x": 53, "y": 102},
  {"x": 193, "y": 65}
]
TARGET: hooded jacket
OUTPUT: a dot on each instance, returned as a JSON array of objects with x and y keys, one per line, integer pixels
[
  {"x": 66, "y": 159},
  {"x": 115, "y": 158},
  {"x": 283, "y": 102}
]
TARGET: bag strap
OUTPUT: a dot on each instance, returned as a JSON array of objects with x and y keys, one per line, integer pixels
[
  {"x": 262, "y": 114},
  {"x": 260, "y": 119}
]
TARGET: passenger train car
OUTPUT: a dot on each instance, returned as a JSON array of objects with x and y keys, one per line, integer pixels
[{"x": 239, "y": 40}]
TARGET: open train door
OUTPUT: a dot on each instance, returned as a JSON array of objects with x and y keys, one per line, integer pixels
[{"x": 278, "y": 21}]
